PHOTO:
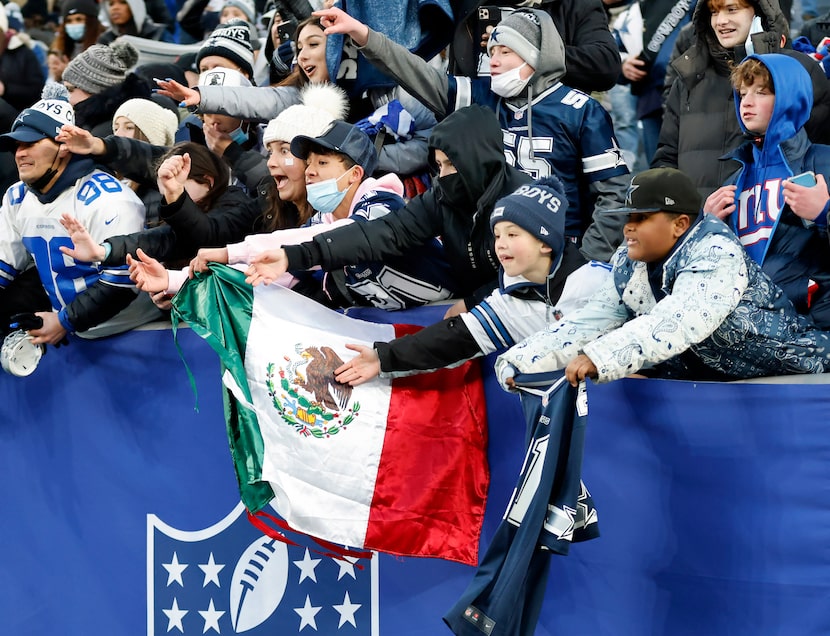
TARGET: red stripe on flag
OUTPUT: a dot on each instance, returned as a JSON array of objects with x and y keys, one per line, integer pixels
[{"x": 431, "y": 487}]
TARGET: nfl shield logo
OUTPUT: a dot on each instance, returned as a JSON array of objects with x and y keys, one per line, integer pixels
[{"x": 230, "y": 578}]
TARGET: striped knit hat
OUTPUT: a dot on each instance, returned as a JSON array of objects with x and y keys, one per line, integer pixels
[{"x": 231, "y": 41}]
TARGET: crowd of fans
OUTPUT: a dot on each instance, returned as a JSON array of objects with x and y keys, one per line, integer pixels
[{"x": 375, "y": 158}]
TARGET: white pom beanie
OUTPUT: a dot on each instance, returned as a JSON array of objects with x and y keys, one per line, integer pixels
[
  {"x": 321, "y": 105},
  {"x": 158, "y": 124}
]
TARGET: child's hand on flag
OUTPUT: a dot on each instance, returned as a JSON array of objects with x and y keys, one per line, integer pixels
[
  {"x": 267, "y": 267},
  {"x": 360, "y": 369}
]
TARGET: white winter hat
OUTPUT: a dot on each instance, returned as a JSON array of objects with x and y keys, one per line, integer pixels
[
  {"x": 159, "y": 124},
  {"x": 321, "y": 105},
  {"x": 223, "y": 76}
]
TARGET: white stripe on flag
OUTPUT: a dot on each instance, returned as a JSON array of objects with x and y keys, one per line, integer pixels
[{"x": 323, "y": 485}]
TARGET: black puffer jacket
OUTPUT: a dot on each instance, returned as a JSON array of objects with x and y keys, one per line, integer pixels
[
  {"x": 699, "y": 124},
  {"x": 472, "y": 140}
]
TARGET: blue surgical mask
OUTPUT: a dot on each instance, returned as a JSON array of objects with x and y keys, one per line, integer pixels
[
  {"x": 238, "y": 136},
  {"x": 75, "y": 31},
  {"x": 324, "y": 196}
]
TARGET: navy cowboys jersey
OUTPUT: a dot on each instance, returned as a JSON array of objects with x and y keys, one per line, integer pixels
[
  {"x": 416, "y": 278},
  {"x": 550, "y": 507},
  {"x": 573, "y": 138}
]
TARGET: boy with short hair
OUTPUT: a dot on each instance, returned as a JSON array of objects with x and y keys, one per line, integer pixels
[
  {"x": 684, "y": 298},
  {"x": 339, "y": 185},
  {"x": 782, "y": 225},
  {"x": 539, "y": 282}
]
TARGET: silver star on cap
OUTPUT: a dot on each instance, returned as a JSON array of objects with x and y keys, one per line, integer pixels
[{"x": 628, "y": 194}]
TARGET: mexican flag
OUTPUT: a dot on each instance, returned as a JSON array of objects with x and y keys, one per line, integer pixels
[{"x": 398, "y": 467}]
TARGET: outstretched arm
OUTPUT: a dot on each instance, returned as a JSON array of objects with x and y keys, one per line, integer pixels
[
  {"x": 414, "y": 74},
  {"x": 360, "y": 369},
  {"x": 147, "y": 273},
  {"x": 85, "y": 249}
]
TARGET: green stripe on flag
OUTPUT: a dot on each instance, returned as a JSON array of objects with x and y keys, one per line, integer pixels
[{"x": 217, "y": 305}]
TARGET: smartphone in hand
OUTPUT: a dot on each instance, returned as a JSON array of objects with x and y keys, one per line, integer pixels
[
  {"x": 488, "y": 16},
  {"x": 807, "y": 179}
]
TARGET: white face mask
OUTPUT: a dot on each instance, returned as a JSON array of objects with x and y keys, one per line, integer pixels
[{"x": 509, "y": 83}]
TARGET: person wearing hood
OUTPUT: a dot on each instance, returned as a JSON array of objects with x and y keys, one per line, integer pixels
[
  {"x": 84, "y": 298},
  {"x": 549, "y": 128},
  {"x": 99, "y": 80},
  {"x": 473, "y": 174},
  {"x": 699, "y": 124},
  {"x": 129, "y": 17},
  {"x": 781, "y": 224},
  {"x": 537, "y": 285}
]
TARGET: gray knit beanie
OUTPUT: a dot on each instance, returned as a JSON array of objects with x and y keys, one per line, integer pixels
[
  {"x": 246, "y": 6},
  {"x": 101, "y": 66},
  {"x": 521, "y": 31}
]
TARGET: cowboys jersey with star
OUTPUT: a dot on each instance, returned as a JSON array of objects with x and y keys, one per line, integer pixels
[{"x": 572, "y": 137}]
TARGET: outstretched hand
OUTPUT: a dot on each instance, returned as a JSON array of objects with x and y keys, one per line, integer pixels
[
  {"x": 178, "y": 92},
  {"x": 80, "y": 142},
  {"x": 338, "y": 21},
  {"x": 267, "y": 267},
  {"x": 147, "y": 273},
  {"x": 361, "y": 368},
  {"x": 85, "y": 249}
]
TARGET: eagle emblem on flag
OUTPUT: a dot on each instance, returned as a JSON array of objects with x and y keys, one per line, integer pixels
[{"x": 306, "y": 395}]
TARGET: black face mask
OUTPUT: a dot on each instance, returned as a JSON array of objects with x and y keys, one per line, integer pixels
[
  {"x": 39, "y": 183},
  {"x": 453, "y": 191}
]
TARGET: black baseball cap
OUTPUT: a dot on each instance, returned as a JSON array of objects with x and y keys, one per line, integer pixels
[{"x": 660, "y": 190}]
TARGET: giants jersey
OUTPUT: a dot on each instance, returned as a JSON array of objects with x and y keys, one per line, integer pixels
[
  {"x": 573, "y": 138},
  {"x": 31, "y": 229}
]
